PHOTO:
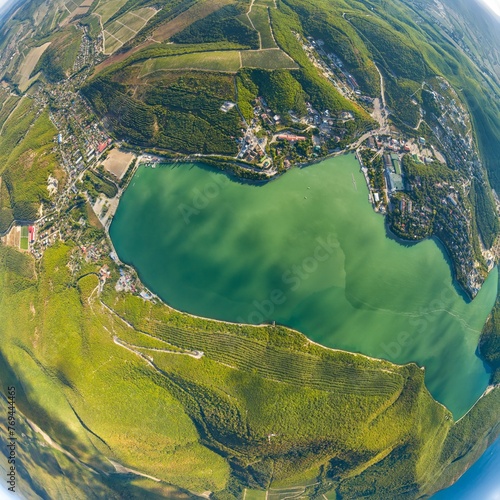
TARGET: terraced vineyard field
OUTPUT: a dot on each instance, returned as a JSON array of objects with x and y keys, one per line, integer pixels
[
  {"x": 121, "y": 30},
  {"x": 265, "y": 3},
  {"x": 281, "y": 364},
  {"x": 7, "y": 108},
  {"x": 260, "y": 19},
  {"x": 105, "y": 10},
  {"x": 224, "y": 61},
  {"x": 267, "y": 59}
]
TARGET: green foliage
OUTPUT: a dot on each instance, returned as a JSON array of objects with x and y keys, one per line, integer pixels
[
  {"x": 320, "y": 92},
  {"x": 178, "y": 115},
  {"x": 281, "y": 90},
  {"x": 14, "y": 129},
  {"x": 400, "y": 94},
  {"x": 398, "y": 54},
  {"x": 7, "y": 107},
  {"x": 247, "y": 92},
  {"x": 94, "y": 183},
  {"x": 485, "y": 212},
  {"x": 222, "y": 25},
  {"x": 57, "y": 61},
  {"x": 489, "y": 343},
  {"x": 216, "y": 397},
  {"x": 21, "y": 272},
  {"x": 6, "y": 214},
  {"x": 327, "y": 24},
  {"x": 128, "y": 117},
  {"x": 28, "y": 167},
  {"x": 93, "y": 25}
]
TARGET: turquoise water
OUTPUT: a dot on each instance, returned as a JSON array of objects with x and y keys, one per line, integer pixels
[{"x": 307, "y": 251}]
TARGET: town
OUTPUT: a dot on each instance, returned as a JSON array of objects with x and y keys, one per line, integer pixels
[{"x": 398, "y": 166}]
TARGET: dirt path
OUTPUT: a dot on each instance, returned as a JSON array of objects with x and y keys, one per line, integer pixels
[{"x": 251, "y": 22}]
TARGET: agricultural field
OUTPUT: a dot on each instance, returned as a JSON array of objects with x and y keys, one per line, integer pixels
[
  {"x": 106, "y": 9},
  {"x": 76, "y": 10},
  {"x": 280, "y": 365},
  {"x": 126, "y": 27},
  {"x": 254, "y": 495},
  {"x": 7, "y": 108},
  {"x": 267, "y": 59},
  {"x": 29, "y": 63},
  {"x": 260, "y": 20},
  {"x": 265, "y": 3},
  {"x": 198, "y": 11},
  {"x": 224, "y": 61}
]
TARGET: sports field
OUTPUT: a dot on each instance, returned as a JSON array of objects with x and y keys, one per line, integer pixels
[
  {"x": 24, "y": 238},
  {"x": 118, "y": 162}
]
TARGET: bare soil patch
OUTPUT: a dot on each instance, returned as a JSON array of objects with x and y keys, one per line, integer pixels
[
  {"x": 13, "y": 237},
  {"x": 30, "y": 61},
  {"x": 118, "y": 162}
]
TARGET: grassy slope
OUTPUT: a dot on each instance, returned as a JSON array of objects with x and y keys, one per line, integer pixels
[
  {"x": 26, "y": 159},
  {"x": 57, "y": 61}
]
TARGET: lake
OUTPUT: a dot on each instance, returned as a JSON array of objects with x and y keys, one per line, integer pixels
[{"x": 307, "y": 251}]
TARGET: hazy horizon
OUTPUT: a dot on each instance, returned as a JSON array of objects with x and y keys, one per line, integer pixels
[{"x": 493, "y": 6}]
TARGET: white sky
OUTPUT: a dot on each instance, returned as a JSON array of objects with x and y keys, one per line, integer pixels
[{"x": 494, "y": 5}]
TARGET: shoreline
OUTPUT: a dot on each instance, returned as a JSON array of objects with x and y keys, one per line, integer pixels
[
  {"x": 273, "y": 324},
  {"x": 440, "y": 244}
]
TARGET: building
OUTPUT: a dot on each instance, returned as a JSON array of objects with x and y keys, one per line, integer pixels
[
  {"x": 396, "y": 164},
  {"x": 395, "y": 182},
  {"x": 291, "y": 137}
]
